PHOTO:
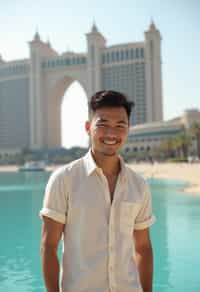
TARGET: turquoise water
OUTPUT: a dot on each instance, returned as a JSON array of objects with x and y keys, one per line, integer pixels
[{"x": 175, "y": 236}]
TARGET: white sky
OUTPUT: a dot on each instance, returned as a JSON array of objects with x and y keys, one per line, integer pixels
[
  {"x": 74, "y": 114},
  {"x": 66, "y": 22}
]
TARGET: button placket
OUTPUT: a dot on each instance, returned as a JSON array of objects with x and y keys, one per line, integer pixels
[
  {"x": 103, "y": 181},
  {"x": 111, "y": 249}
]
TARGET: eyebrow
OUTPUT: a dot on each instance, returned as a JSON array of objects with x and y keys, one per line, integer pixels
[{"x": 103, "y": 120}]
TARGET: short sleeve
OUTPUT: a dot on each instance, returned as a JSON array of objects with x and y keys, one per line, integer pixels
[
  {"x": 55, "y": 203},
  {"x": 145, "y": 217}
]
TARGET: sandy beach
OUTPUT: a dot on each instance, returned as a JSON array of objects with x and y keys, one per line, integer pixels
[{"x": 189, "y": 173}]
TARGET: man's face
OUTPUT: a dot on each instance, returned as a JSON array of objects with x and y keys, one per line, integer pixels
[{"x": 108, "y": 130}]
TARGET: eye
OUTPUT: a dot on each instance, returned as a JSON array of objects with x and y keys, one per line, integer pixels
[
  {"x": 121, "y": 126},
  {"x": 101, "y": 125}
]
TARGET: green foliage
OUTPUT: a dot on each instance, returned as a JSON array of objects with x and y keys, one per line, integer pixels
[
  {"x": 50, "y": 156},
  {"x": 177, "y": 159}
]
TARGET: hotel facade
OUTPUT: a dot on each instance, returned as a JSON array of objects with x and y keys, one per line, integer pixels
[
  {"x": 145, "y": 138},
  {"x": 32, "y": 90}
]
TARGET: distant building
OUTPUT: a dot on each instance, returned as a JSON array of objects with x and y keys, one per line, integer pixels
[
  {"x": 31, "y": 90},
  {"x": 148, "y": 136}
]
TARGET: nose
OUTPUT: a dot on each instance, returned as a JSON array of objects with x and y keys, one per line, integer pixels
[{"x": 111, "y": 132}]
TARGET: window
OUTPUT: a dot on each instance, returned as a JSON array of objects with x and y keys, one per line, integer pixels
[
  {"x": 137, "y": 53},
  {"x": 107, "y": 58},
  {"x": 127, "y": 149},
  {"x": 148, "y": 148},
  {"x": 103, "y": 59},
  {"x": 113, "y": 56},
  {"x": 122, "y": 55},
  {"x": 132, "y": 54},
  {"x": 142, "y": 52},
  {"x": 117, "y": 56},
  {"x": 83, "y": 60},
  {"x": 66, "y": 61},
  {"x": 127, "y": 54},
  {"x": 92, "y": 54}
]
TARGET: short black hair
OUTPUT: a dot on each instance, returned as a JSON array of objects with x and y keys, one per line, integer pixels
[{"x": 110, "y": 98}]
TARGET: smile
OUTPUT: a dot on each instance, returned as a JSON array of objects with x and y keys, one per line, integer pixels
[{"x": 108, "y": 142}]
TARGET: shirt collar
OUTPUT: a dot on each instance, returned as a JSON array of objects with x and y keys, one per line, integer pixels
[
  {"x": 90, "y": 164},
  {"x": 123, "y": 167}
]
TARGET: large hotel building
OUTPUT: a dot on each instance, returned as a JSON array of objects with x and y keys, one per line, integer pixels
[{"x": 31, "y": 90}]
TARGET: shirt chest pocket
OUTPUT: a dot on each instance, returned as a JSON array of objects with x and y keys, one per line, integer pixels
[{"x": 128, "y": 213}]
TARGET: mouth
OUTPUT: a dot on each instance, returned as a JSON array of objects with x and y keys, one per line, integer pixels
[{"x": 110, "y": 142}]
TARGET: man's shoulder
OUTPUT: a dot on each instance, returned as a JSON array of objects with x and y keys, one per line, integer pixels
[
  {"x": 135, "y": 175},
  {"x": 66, "y": 170},
  {"x": 137, "y": 184}
]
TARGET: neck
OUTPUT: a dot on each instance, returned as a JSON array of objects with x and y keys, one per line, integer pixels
[{"x": 110, "y": 165}]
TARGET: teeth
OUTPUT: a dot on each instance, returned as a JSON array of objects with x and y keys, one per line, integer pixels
[{"x": 109, "y": 142}]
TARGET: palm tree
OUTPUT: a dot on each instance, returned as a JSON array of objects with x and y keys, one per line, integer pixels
[
  {"x": 195, "y": 131},
  {"x": 181, "y": 143},
  {"x": 167, "y": 147}
]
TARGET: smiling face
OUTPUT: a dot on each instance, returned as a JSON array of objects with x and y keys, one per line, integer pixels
[{"x": 108, "y": 130}]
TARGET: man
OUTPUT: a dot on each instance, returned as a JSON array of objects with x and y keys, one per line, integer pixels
[{"x": 102, "y": 209}]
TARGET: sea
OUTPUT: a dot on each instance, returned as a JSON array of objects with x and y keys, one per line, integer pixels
[{"x": 175, "y": 235}]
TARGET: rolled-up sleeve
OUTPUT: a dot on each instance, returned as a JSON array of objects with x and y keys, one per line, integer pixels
[
  {"x": 145, "y": 217},
  {"x": 55, "y": 203}
]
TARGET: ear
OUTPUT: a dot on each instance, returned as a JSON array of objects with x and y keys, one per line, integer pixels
[{"x": 87, "y": 127}]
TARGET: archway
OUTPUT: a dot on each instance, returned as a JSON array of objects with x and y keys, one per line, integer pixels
[
  {"x": 57, "y": 87},
  {"x": 74, "y": 113}
]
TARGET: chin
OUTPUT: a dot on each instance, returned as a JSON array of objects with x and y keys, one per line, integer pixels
[{"x": 109, "y": 152}]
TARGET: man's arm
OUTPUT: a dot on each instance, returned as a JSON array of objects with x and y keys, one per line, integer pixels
[
  {"x": 144, "y": 258},
  {"x": 51, "y": 235}
]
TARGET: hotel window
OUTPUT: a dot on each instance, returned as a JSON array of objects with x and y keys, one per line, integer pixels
[
  {"x": 127, "y": 54},
  {"x": 113, "y": 56},
  {"x": 132, "y": 54},
  {"x": 142, "y": 52},
  {"x": 107, "y": 58},
  {"x": 66, "y": 61},
  {"x": 117, "y": 56},
  {"x": 122, "y": 55},
  {"x": 103, "y": 58},
  {"x": 92, "y": 54},
  {"x": 137, "y": 53}
]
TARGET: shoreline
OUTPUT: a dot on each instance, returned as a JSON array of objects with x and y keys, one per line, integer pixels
[{"x": 183, "y": 172}]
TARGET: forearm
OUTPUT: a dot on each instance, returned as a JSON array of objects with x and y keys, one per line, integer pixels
[
  {"x": 50, "y": 267},
  {"x": 144, "y": 261}
]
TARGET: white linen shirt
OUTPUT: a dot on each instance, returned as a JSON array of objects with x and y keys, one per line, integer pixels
[{"x": 98, "y": 246}]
